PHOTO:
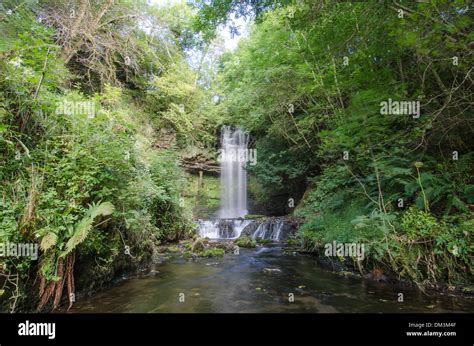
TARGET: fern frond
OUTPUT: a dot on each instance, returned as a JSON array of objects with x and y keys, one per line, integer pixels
[
  {"x": 80, "y": 233},
  {"x": 85, "y": 225},
  {"x": 103, "y": 209},
  {"x": 48, "y": 241}
]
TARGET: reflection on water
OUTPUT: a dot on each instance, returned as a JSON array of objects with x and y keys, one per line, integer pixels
[{"x": 260, "y": 280}]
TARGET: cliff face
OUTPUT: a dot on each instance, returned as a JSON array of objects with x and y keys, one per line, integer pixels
[
  {"x": 202, "y": 194},
  {"x": 200, "y": 163}
]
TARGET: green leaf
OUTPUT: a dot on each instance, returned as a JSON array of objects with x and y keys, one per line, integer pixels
[
  {"x": 48, "y": 241},
  {"x": 83, "y": 228}
]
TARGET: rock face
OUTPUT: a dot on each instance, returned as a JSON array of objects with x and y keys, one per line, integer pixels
[
  {"x": 166, "y": 138},
  {"x": 200, "y": 163}
]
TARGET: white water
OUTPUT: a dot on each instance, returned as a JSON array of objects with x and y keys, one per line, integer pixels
[
  {"x": 222, "y": 229},
  {"x": 269, "y": 231},
  {"x": 233, "y": 179},
  {"x": 233, "y": 207},
  {"x": 233, "y": 174}
]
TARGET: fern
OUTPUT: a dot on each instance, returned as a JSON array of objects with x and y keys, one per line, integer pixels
[
  {"x": 83, "y": 228},
  {"x": 48, "y": 241},
  {"x": 103, "y": 209}
]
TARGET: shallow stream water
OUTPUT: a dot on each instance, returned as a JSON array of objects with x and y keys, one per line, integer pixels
[{"x": 260, "y": 280}]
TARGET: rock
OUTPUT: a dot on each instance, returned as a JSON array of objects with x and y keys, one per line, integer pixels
[
  {"x": 212, "y": 252},
  {"x": 200, "y": 163},
  {"x": 198, "y": 245},
  {"x": 286, "y": 226}
]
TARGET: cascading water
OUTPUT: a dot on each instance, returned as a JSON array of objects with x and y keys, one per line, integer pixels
[
  {"x": 269, "y": 230},
  {"x": 233, "y": 157},
  {"x": 223, "y": 228}
]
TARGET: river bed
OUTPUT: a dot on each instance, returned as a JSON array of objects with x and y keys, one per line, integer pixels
[{"x": 261, "y": 280}]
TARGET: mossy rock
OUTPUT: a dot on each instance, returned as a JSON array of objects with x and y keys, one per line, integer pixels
[
  {"x": 293, "y": 242},
  {"x": 173, "y": 249},
  {"x": 245, "y": 241},
  {"x": 253, "y": 216},
  {"x": 198, "y": 245},
  {"x": 213, "y": 252},
  {"x": 263, "y": 241},
  {"x": 187, "y": 254}
]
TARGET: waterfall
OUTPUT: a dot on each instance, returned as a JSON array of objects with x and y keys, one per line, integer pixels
[
  {"x": 233, "y": 155},
  {"x": 269, "y": 230},
  {"x": 222, "y": 228},
  {"x": 233, "y": 228}
]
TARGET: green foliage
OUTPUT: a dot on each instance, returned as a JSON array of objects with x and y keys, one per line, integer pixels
[
  {"x": 65, "y": 148},
  {"x": 201, "y": 198},
  {"x": 262, "y": 241},
  {"x": 212, "y": 252},
  {"x": 213, "y": 14},
  {"x": 245, "y": 241},
  {"x": 184, "y": 106},
  {"x": 84, "y": 226},
  {"x": 417, "y": 223},
  {"x": 309, "y": 82}
]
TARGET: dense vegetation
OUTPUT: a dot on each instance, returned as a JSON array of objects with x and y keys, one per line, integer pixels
[
  {"x": 309, "y": 81},
  {"x": 101, "y": 101},
  {"x": 97, "y": 102}
]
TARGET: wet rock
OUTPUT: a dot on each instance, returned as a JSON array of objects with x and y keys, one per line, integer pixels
[
  {"x": 198, "y": 245},
  {"x": 279, "y": 228}
]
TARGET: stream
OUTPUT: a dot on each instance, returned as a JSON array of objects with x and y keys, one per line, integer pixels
[{"x": 259, "y": 281}]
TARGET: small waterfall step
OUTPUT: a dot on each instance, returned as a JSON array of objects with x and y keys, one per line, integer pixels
[
  {"x": 222, "y": 228},
  {"x": 271, "y": 228}
]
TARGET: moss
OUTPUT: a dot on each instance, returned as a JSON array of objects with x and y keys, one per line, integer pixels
[
  {"x": 256, "y": 190},
  {"x": 263, "y": 241},
  {"x": 213, "y": 252},
  {"x": 245, "y": 241},
  {"x": 253, "y": 216},
  {"x": 293, "y": 241},
  {"x": 173, "y": 249},
  {"x": 187, "y": 254}
]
